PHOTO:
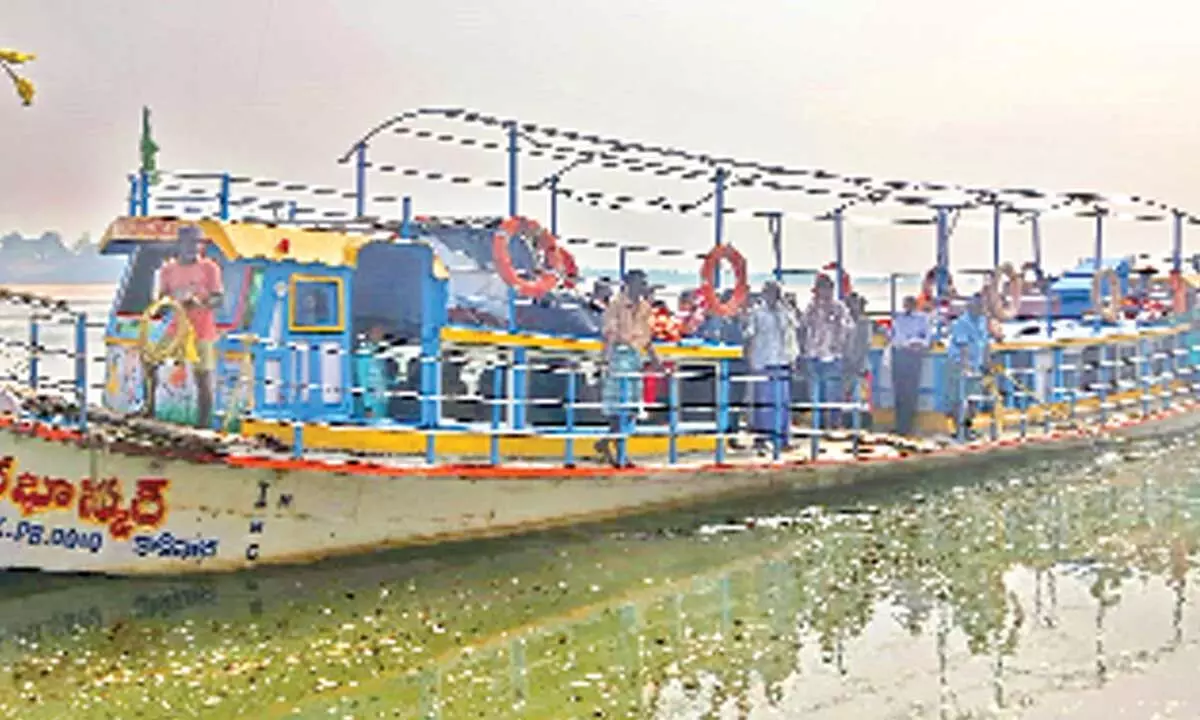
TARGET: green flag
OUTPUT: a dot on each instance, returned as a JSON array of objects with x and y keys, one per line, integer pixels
[{"x": 149, "y": 149}]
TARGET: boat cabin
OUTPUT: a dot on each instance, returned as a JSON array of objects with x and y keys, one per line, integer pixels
[{"x": 293, "y": 302}]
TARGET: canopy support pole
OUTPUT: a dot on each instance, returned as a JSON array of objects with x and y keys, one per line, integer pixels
[
  {"x": 723, "y": 369},
  {"x": 996, "y": 234},
  {"x": 1099, "y": 259},
  {"x": 718, "y": 218},
  {"x": 839, "y": 252},
  {"x": 1177, "y": 241},
  {"x": 517, "y": 391},
  {"x": 360, "y": 180},
  {"x": 406, "y": 218},
  {"x": 941, "y": 269},
  {"x": 943, "y": 253},
  {"x": 554, "y": 206},
  {"x": 775, "y": 228},
  {"x": 223, "y": 198},
  {"x": 1035, "y": 226},
  {"x": 1035, "y": 230}
]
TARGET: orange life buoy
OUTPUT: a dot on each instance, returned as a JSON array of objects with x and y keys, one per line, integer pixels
[
  {"x": 545, "y": 280},
  {"x": 1179, "y": 299},
  {"x": 708, "y": 276},
  {"x": 928, "y": 294}
]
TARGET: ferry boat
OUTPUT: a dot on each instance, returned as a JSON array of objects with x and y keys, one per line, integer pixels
[{"x": 383, "y": 380}]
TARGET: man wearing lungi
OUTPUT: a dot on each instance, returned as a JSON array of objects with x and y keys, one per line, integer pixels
[
  {"x": 910, "y": 342},
  {"x": 627, "y": 337}
]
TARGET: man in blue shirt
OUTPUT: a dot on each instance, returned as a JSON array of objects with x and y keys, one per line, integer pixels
[
  {"x": 966, "y": 359},
  {"x": 910, "y": 342}
]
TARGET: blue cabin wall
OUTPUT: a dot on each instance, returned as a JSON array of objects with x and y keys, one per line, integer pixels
[{"x": 292, "y": 366}]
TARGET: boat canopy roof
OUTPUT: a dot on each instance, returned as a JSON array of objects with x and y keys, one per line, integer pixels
[
  {"x": 242, "y": 240},
  {"x": 576, "y": 167}
]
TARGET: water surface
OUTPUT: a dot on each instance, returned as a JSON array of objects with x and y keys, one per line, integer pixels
[{"x": 996, "y": 597}]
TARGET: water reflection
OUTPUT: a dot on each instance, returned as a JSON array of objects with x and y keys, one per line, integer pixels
[{"x": 976, "y": 601}]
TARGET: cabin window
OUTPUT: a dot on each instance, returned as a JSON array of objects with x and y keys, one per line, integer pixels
[
  {"x": 233, "y": 280},
  {"x": 141, "y": 278},
  {"x": 243, "y": 285},
  {"x": 316, "y": 304}
]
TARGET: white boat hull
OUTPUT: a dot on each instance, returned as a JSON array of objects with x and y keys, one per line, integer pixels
[
  {"x": 218, "y": 517},
  {"x": 57, "y": 514}
]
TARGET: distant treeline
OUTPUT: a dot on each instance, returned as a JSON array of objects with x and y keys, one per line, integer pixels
[{"x": 47, "y": 260}]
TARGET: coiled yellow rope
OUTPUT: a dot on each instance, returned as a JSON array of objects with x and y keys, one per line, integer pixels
[{"x": 179, "y": 345}]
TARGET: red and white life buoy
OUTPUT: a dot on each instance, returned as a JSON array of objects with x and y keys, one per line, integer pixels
[
  {"x": 545, "y": 279},
  {"x": 708, "y": 277}
]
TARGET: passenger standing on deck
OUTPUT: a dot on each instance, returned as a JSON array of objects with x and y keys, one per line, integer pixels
[
  {"x": 800, "y": 384},
  {"x": 666, "y": 328},
  {"x": 627, "y": 336},
  {"x": 691, "y": 312},
  {"x": 966, "y": 359},
  {"x": 771, "y": 349},
  {"x": 194, "y": 281},
  {"x": 910, "y": 341},
  {"x": 855, "y": 368},
  {"x": 827, "y": 326}
]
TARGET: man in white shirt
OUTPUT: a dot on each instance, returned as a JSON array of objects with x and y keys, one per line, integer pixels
[
  {"x": 771, "y": 349},
  {"x": 911, "y": 336},
  {"x": 828, "y": 327}
]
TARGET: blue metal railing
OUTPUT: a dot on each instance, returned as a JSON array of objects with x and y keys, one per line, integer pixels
[
  {"x": 1141, "y": 374},
  {"x": 1026, "y": 383}
]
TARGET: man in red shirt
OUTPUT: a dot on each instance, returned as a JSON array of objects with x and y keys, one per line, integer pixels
[{"x": 195, "y": 282}]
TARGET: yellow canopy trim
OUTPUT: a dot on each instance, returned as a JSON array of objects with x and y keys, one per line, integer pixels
[{"x": 247, "y": 240}]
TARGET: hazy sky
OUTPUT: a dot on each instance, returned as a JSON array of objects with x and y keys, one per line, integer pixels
[{"x": 1058, "y": 94}]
